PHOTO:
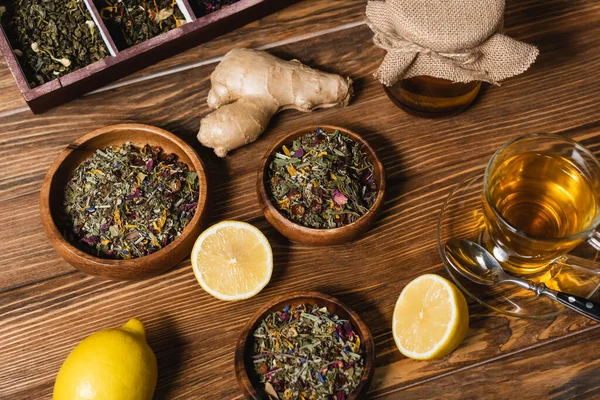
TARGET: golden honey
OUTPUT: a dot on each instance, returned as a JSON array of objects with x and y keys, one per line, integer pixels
[{"x": 429, "y": 97}]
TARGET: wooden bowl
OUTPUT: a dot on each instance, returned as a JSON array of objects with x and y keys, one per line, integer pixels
[
  {"x": 320, "y": 237},
  {"x": 52, "y": 192},
  {"x": 244, "y": 365}
]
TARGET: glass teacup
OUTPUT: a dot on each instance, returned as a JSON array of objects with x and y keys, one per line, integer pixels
[{"x": 541, "y": 199}]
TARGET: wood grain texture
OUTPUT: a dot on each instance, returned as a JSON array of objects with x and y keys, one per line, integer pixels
[
  {"x": 563, "y": 369},
  {"x": 266, "y": 32},
  {"x": 10, "y": 97},
  {"x": 46, "y": 307},
  {"x": 411, "y": 149}
]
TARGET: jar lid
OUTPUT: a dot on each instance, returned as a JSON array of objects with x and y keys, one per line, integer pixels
[{"x": 458, "y": 40}]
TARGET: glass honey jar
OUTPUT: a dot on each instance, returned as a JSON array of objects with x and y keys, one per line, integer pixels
[
  {"x": 438, "y": 53},
  {"x": 430, "y": 97}
]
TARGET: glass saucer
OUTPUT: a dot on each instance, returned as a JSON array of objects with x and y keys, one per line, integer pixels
[{"x": 462, "y": 217}]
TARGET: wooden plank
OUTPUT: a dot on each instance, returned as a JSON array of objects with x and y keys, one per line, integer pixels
[
  {"x": 357, "y": 67},
  {"x": 288, "y": 24},
  {"x": 47, "y": 307},
  {"x": 194, "y": 334},
  {"x": 563, "y": 369},
  {"x": 10, "y": 97},
  {"x": 291, "y": 24},
  {"x": 555, "y": 98}
]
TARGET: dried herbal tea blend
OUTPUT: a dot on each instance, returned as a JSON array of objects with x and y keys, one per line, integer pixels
[
  {"x": 135, "y": 21},
  {"x": 51, "y": 38},
  {"x": 125, "y": 202},
  {"x": 323, "y": 181},
  {"x": 306, "y": 352},
  {"x": 203, "y": 7}
]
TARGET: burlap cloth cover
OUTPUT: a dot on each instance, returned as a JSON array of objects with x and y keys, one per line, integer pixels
[{"x": 458, "y": 40}]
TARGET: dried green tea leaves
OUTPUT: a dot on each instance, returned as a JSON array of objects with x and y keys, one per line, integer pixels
[
  {"x": 134, "y": 21},
  {"x": 307, "y": 352},
  {"x": 51, "y": 38},
  {"x": 323, "y": 181},
  {"x": 125, "y": 202}
]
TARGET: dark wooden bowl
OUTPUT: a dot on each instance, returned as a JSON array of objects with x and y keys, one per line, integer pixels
[
  {"x": 52, "y": 192},
  {"x": 320, "y": 237},
  {"x": 244, "y": 365}
]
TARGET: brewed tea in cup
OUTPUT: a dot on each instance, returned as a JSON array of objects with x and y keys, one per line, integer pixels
[{"x": 541, "y": 199}]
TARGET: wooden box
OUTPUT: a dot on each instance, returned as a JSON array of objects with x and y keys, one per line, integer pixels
[{"x": 123, "y": 62}]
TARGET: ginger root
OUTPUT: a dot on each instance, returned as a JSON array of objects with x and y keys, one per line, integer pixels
[{"x": 250, "y": 86}]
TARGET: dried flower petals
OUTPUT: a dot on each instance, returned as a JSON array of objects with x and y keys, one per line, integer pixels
[
  {"x": 324, "y": 180},
  {"x": 120, "y": 202},
  {"x": 306, "y": 352},
  {"x": 339, "y": 198},
  {"x": 135, "y": 21},
  {"x": 203, "y": 7}
]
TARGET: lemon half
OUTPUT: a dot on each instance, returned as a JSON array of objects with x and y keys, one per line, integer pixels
[
  {"x": 232, "y": 260},
  {"x": 431, "y": 318}
]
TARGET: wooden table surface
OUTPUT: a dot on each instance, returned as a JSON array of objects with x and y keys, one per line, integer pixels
[{"x": 47, "y": 307}]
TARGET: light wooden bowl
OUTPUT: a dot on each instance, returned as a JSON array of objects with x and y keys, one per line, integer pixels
[
  {"x": 244, "y": 365},
  {"x": 60, "y": 171},
  {"x": 320, "y": 237}
]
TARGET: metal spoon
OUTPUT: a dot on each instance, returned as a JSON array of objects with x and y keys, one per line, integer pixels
[{"x": 475, "y": 263}]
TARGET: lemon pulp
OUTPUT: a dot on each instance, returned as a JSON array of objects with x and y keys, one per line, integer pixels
[
  {"x": 232, "y": 260},
  {"x": 431, "y": 318}
]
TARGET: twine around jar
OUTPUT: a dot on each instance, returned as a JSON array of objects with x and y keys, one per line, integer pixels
[
  {"x": 456, "y": 40},
  {"x": 394, "y": 44}
]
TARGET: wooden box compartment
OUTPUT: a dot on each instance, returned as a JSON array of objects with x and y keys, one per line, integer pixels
[{"x": 123, "y": 61}]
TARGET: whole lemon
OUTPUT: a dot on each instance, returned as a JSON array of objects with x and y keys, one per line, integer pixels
[{"x": 112, "y": 364}]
